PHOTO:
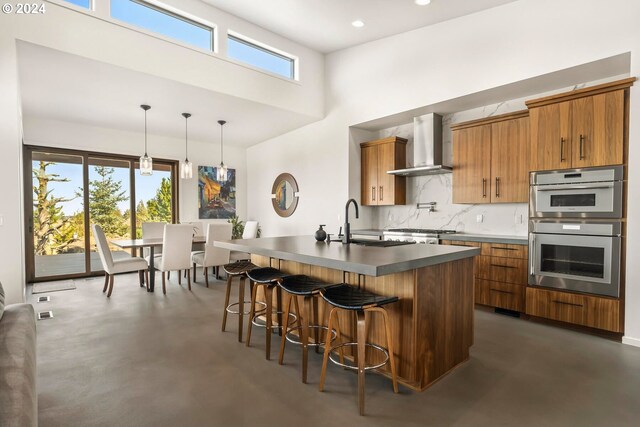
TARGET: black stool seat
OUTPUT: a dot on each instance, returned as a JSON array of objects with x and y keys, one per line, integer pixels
[
  {"x": 239, "y": 267},
  {"x": 265, "y": 275},
  {"x": 300, "y": 284},
  {"x": 349, "y": 297}
]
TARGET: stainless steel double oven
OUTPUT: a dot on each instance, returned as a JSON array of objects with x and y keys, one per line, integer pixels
[{"x": 575, "y": 229}]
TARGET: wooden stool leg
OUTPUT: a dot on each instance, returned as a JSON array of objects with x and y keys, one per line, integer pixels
[
  {"x": 392, "y": 359},
  {"x": 110, "y": 284},
  {"x": 279, "y": 308},
  {"x": 206, "y": 276},
  {"x": 106, "y": 282},
  {"x": 226, "y": 303},
  {"x": 306, "y": 312},
  {"x": 285, "y": 326},
  {"x": 338, "y": 338},
  {"x": 188, "y": 277},
  {"x": 361, "y": 339},
  {"x": 241, "y": 307},
  {"x": 316, "y": 331},
  {"x": 268, "y": 296},
  {"x": 252, "y": 311},
  {"x": 327, "y": 348}
]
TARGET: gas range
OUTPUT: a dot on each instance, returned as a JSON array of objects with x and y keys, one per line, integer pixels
[{"x": 418, "y": 235}]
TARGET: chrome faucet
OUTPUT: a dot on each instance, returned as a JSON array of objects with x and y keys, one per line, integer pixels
[{"x": 346, "y": 238}]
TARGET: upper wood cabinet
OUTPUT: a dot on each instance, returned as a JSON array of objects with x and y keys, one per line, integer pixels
[
  {"x": 378, "y": 188},
  {"x": 491, "y": 160},
  {"x": 579, "y": 129}
]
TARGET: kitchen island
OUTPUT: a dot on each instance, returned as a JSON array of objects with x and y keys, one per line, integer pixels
[{"x": 432, "y": 323}]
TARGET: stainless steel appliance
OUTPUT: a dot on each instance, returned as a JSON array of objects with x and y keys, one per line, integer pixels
[
  {"x": 577, "y": 193},
  {"x": 417, "y": 235},
  {"x": 581, "y": 256}
]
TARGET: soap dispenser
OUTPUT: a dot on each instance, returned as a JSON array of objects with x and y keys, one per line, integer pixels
[{"x": 321, "y": 235}]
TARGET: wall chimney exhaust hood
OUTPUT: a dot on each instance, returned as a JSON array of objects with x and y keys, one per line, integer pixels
[{"x": 427, "y": 147}]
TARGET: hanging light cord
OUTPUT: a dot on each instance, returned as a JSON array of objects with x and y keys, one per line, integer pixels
[
  {"x": 145, "y": 133},
  {"x": 186, "y": 138},
  {"x": 221, "y": 145}
]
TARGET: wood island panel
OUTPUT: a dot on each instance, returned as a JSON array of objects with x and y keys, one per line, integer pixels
[{"x": 432, "y": 323}]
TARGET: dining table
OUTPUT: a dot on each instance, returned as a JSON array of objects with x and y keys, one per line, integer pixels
[{"x": 152, "y": 244}]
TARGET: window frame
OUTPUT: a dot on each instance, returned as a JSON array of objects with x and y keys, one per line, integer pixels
[
  {"x": 247, "y": 41},
  {"x": 173, "y": 13}
]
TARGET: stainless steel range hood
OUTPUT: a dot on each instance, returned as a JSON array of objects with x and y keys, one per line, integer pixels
[{"x": 427, "y": 147}]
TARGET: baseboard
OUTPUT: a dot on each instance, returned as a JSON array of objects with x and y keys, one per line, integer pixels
[{"x": 631, "y": 341}]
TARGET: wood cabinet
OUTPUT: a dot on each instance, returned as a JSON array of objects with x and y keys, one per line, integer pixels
[
  {"x": 500, "y": 274},
  {"x": 491, "y": 159},
  {"x": 582, "y": 128},
  {"x": 585, "y": 310},
  {"x": 377, "y": 187}
]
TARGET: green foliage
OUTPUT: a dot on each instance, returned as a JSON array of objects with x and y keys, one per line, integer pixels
[
  {"x": 159, "y": 208},
  {"x": 237, "y": 227},
  {"x": 104, "y": 196}
]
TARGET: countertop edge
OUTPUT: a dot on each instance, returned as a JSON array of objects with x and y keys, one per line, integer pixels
[{"x": 514, "y": 240}]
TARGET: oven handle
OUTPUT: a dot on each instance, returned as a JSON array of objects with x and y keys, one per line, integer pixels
[
  {"x": 532, "y": 252},
  {"x": 573, "y": 187}
]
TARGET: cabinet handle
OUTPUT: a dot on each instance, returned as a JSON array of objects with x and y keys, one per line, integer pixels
[
  {"x": 503, "y": 266},
  {"x": 500, "y": 290},
  {"x": 504, "y": 249},
  {"x": 381, "y": 193},
  {"x": 567, "y": 303},
  {"x": 497, "y": 186},
  {"x": 373, "y": 193},
  {"x": 581, "y": 146},
  {"x": 562, "y": 149},
  {"x": 484, "y": 187}
]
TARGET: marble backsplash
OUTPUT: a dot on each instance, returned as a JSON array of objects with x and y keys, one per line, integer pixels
[{"x": 504, "y": 219}]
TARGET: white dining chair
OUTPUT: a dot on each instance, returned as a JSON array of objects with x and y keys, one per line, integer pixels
[
  {"x": 198, "y": 227},
  {"x": 112, "y": 267},
  {"x": 250, "y": 232},
  {"x": 176, "y": 253},
  {"x": 212, "y": 256},
  {"x": 153, "y": 230}
]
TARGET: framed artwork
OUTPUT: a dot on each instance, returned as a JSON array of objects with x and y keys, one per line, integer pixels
[{"x": 216, "y": 200}]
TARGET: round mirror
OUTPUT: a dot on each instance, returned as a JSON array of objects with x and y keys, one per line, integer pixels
[{"x": 284, "y": 195}]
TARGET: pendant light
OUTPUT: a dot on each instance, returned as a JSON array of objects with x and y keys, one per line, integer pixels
[
  {"x": 186, "y": 167},
  {"x": 146, "y": 162},
  {"x": 222, "y": 169}
]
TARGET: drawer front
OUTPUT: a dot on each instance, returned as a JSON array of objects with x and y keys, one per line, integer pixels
[
  {"x": 459, "y": 243},
  {"x": 498, "y": 294},
  {"x": 507, "y": 270},
  {"x": 585, "y": 310},
  {"x": 504, "y": 250}
]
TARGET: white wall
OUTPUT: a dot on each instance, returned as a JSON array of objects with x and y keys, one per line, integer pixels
[
  {"x": 497, "y": 47},
  {"x": 53, "y": 133}
]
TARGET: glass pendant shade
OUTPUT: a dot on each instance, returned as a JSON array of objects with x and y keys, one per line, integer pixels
[
  {"x": 222, "y": 169},
  {"x": 146, "y": 162},
  {"x": 146, "y": 165},
  {"x": 186, "y": 169},
  {"x": 222, "y": 173}
]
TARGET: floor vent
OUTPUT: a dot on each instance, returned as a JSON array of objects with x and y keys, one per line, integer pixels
[
  {"x": 45, "y": 315},
  {"x": 44, "y": 299}
]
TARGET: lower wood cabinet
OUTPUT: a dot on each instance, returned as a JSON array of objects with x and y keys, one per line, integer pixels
[
  {"x": 497, "y": 294},
  {"x": 585, "y": 310}
]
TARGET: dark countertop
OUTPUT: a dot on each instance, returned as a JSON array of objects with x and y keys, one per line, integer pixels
[
  {"x": 367, "y": 260},
  {"x": 489, "y": 238}
]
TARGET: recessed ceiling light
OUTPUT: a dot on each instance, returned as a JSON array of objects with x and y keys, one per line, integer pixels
[
  {"x": 423, "y": 2},
  {"x": 358, "y": 23}
]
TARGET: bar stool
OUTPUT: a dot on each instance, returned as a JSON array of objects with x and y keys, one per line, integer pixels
[
  {"x": 309, "y": 288},
  {"x": 346, "y": 297},
  {"x": 237, "y": 269},
  {"x": 267, "y": 278}
]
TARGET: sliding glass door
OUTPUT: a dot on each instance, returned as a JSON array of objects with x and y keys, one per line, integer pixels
[{"x": 67, "y": 191}]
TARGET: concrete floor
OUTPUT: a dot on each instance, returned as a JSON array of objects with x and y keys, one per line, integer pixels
[{"x": 140, "y": 359}]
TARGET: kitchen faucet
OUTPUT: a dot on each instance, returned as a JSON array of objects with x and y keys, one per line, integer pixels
[{"x": 346, "y": 229}]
